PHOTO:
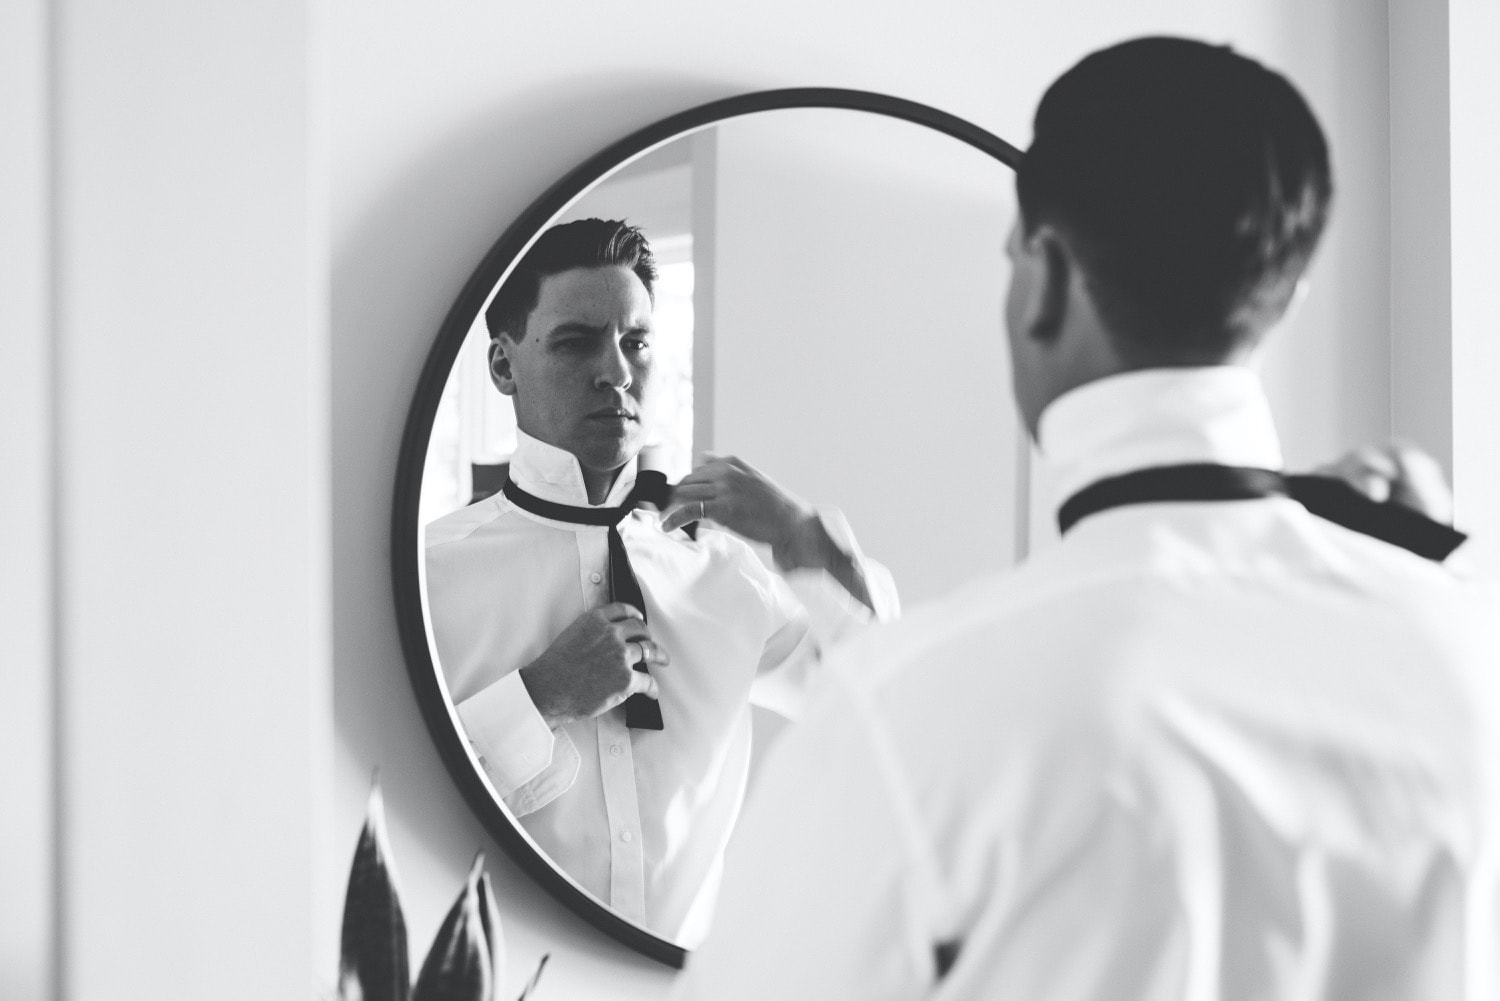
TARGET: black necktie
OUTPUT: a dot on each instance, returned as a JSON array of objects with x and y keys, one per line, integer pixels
[
  {"x": 1324, "y": 496},
  {"x": 641, "y": 711}
]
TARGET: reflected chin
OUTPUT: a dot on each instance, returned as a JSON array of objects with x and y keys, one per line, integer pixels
[{"x": 606, "y": 449}]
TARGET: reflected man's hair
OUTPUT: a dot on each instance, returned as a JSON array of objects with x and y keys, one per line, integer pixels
[
  {"x": 586, "y": 243},
  {"x": 1192, "y": 185}
]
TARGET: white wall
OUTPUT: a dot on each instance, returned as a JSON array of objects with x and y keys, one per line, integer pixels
[
  {"x": 217, "y": 472},
  {"x": 169, "y": 348},
  {"x": 450, "y": 117}
]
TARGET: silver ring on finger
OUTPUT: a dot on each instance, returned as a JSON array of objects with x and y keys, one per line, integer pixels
[
  {"x": 645, "y": 647},
  {"x": 702, "y": 511}
]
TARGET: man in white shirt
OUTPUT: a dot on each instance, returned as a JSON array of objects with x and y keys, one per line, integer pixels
[
  {"x": 628, "y": 779},
  {"x": 1211, "y": 746}
]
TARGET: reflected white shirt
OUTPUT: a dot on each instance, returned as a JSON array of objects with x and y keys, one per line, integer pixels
[
  {"x": 1221, "y": 751},
  {"x": 638, "y": 818}
]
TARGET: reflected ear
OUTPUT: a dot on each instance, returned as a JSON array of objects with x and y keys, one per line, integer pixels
[
  {"x": 1299, "y": 296},
  {"x": 1047, "y": 305},
  {"x": 501, "y": 372}
]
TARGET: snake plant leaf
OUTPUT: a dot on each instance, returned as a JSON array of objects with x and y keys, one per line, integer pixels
[
  {"x": 373, "y": 962},
  {"x": 535, "y": 977},
  {"x": 489, "y": 916},
  {"x": 458, "y": 966}
]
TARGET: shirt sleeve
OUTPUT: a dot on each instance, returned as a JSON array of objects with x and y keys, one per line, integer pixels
[
  {"x": 825, "y": 892},
  {"x": 529, "y": 764},
  {"x": 833, "y": 610},
  {"x": 812, "y": 612}
]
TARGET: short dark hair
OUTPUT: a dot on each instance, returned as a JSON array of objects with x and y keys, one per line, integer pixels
[
  {"x": 586, "y": 243},
  {"x": 1192, "y": 185}
]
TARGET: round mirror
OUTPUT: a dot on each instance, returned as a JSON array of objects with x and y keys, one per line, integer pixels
[{"x": 827, "y": 305}]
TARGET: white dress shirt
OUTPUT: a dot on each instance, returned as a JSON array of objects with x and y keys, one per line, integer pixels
[
  {"x": 1215, "y": 751},
  {"x": 639, "y": 818}
]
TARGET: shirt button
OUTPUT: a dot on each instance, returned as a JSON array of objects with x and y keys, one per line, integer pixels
[
  {"x": 614, "y": 749},
  {"x": 596, "y": 578},
  {"x": 627, "y": 837}
]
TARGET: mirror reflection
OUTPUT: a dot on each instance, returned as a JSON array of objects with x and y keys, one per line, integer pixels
[{"x": 729, "y": 402}]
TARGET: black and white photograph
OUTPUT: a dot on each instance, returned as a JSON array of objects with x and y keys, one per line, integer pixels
[{"x": 706, "y": 502}]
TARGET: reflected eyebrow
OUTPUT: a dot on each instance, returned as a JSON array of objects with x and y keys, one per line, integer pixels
[{"x": 575, "y": 327}]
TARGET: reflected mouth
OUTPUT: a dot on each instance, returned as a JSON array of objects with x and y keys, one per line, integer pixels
[{"x": 612, "y": 414}]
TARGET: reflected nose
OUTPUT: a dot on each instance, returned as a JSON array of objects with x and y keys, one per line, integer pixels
[{"x": 614, "y": 369}]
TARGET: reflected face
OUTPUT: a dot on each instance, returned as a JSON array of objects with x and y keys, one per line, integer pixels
[{"x": 581, "y": 374}]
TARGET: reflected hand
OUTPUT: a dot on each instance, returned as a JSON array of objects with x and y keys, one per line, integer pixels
[
  {"x": 734, "y": 495},
  {"x": 1397, "y": 473},
  {"x": 589, "y": 668}
]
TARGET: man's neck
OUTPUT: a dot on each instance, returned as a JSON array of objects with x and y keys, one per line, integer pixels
[
  {"x": 1157, "y": 417},
  {"x": 598, "y": 484}
]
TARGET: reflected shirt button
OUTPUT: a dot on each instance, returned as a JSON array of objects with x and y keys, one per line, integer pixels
[
  {"x": 595, "y": 578},
  {"x": 614, "y": 749},
  {"x": 627, "y": 837}
]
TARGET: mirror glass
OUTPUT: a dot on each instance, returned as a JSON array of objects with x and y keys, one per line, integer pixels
[{"x": 830, "y": 309}]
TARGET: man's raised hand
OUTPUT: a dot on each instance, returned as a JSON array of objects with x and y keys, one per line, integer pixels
[
  {"x": 1397, "y": 473},
  {"x": 589, "y": 668},
  {"x": 733, "y": 494}
]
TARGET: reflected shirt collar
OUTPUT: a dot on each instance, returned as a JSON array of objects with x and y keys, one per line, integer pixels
[
  {"x": 553, "y": 474},
  {"x": 1157, "y": 417}
]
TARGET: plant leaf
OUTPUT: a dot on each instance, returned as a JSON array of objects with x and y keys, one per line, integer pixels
[
  {"x": 489, "y": 916},
  {"x": 531, "y": 984},
  {"x": 458, "y": 967},
  {"x": 373, "y": 951}
]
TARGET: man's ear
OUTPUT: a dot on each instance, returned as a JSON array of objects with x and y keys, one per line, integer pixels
[
  {"x": 501, "y": 372},
  {"x": 1294, "y": 305},
  {"x": 1257, "y": 351},
  {"x": 1047, "y": 305}
]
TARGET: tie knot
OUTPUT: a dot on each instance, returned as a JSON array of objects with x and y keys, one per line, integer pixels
[
  {"x": 651, "y": 487},
  {"x": 607, "y": 517}
]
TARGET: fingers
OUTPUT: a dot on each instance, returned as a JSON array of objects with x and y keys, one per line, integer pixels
[
  {"x": 710, "y": 457},
  {"x": 644, "y": 650},
  {"x": 1370, "y": 470},
  {"x": 643, "y": 684},
  {"x": 620, "y": 611},
  {"x": 688, "y": 506},
  {"x": 684, "y": 515},
  {"x": 1399, "y": 473}
]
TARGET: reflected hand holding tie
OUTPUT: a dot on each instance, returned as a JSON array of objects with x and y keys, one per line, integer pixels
[
  {"x": 733, "y": 494},
  {"x": 736, "y": 496},
  {"x": 642, "y": 709}
]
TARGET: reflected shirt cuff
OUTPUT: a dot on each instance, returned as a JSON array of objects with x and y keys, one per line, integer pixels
[{"x": 528, "y": 763}]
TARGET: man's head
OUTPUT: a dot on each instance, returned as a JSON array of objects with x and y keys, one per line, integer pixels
[
  {"x": 571, "y": 342},
  {"x": 1171, "y": 198}
]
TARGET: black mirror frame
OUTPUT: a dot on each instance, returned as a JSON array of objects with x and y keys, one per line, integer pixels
[{"x": 405, "y": 531}]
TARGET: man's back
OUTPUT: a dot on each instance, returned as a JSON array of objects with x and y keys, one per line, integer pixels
[{"x": 1215, "y": 750}]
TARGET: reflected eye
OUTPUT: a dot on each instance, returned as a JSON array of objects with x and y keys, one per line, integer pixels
[{"x": 636, "y": 344}]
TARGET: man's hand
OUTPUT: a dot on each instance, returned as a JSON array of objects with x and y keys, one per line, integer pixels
[
  {"x": 1398, "y": 473},
  {"x": 589, "y": 669},
  {"x": 733, "y": 494}
]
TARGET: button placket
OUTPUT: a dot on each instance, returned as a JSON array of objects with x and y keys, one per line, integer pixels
[
  {"x": 593, "y": 564},
  {"x": 627, "y": 868}
]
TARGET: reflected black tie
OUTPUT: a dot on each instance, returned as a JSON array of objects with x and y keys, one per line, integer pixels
[
  {"x": 641, "y": 711},
  {"x": 1328, "y": 498}
]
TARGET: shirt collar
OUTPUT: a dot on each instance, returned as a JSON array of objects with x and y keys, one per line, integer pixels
[
  {"x": 1157, "y": 417},
  {"x": 552, "y": 474}
]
